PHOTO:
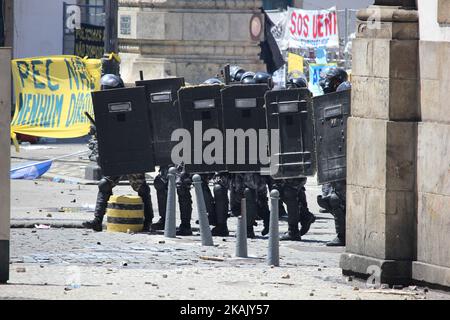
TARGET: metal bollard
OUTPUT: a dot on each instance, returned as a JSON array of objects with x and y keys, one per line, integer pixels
[
  {"x": 205, "y": 231},
  {"x": 241, "y": 232},
  {"x": 273, "y": 255},
  {"x": 170, "y": 230}
]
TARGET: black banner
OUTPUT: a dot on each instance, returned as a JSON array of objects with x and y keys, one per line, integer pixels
[{"x": 90, "y": 41}]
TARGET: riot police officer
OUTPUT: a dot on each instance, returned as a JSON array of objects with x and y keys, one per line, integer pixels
[
  {"x": 293, "y": 192},
  {"x": 333, "y": 198},
  {"x": 183, "y": 185},
  {"x": 106, "y": 184}
]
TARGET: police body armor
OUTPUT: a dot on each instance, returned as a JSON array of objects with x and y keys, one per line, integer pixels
[
  {"x": 201, "y": 107},
  {"x": 290, "y": 112},
  {"x": 164, "y": 115},
  {"x": 123, "y": 132},
  {"x": 243, "y": 108},
  {"x": 330, "y": 119}
]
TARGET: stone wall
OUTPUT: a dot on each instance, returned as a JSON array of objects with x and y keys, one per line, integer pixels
[
  {"x": 5, "y": 119},
  {"x": 433, "y": 151},
  {"x": 193, "y": 39}
]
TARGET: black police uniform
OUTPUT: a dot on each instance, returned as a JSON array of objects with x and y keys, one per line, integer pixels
[
  {"x": 106, "y": 184},
  {"x": 333, "y": 198}
]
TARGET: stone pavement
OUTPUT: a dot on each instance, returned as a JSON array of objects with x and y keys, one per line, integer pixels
[{"x": 45, "y": 262}]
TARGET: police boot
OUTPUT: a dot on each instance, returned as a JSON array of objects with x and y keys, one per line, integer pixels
[
  {"x": 96, "y": 224},
  {"x": 293, "y": 234},
  {"x": 339, "y": 220},
  {"x": 160, "y": 225},
  {"x": 184, "y": 229},
  {"x": 221, "y": 230},
  {"x": 104, "y": 193},
  {"x": 306, "y": 222}
]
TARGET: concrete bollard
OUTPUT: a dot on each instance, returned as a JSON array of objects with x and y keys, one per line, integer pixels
[
  {"x": 170, "y": 230},
  {"x": 205, "y": 231},
  {"x": 273, "y": 254},
  {"x": 241, "y": 232}
]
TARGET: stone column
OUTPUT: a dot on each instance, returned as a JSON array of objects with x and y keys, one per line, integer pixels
[
  {"x": 381, "y": 152},
  {"x": 433, "y": 152},
  {"x": 5, "y": 120},
  {"x": 192, "y": 39}
]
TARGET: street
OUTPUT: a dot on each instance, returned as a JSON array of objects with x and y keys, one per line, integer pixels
[{"x": 53, "y": 258}]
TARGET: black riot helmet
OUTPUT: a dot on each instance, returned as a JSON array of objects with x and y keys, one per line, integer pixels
[
  {"x": 213, "y": 81},
  {"x": 332, "y": 79},
  {"x": 344, "y": 86},
  {"x": 111, "y": 81},
  {"x": 236, "y": 73},
  {"x": 297, "y": 82},
  {"x": 248, "y": 78},
  {"x": 263, "y": 77}
]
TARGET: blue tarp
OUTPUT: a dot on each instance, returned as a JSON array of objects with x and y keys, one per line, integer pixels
[{"x": 30, "y": 171}]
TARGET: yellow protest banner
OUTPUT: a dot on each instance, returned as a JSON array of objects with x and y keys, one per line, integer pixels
[
  {"x": 295, "y": 63},
  {"x": 52, "y": 93}
]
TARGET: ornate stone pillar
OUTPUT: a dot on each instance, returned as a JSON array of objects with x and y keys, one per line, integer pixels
[
  {"x": 193, "y": 39},
  {"x": 382, "y": 141}
]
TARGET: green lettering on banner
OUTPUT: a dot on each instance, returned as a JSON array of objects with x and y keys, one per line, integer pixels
[
  {"x": 41, "y": 112},
  {"x": 71, "y": 110},
  {"x": 36, "y": 102},
  {"x": 23, "y": 74},
  {"x": 37, "y": 74},
  {"x": 21, "y": 104},
  {"x": 58, "y": 110},
  {"x": 26, "y": 108},
  {"x": 72, "y": 75},
  {"x": 47, "y": 111},
  {"x": 52, "y": 87}
]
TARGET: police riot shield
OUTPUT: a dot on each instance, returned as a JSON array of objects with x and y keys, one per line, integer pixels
[
  {"x": 330, "y": 116},
  {"x": 201, "y": 110},
  {"x": 245, "y": 115},
  {"x": 123, "y": 132},
  {"x": 164, "y": 115},
  {"x": 290, "y": 117}
]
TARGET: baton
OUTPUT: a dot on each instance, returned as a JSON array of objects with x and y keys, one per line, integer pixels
[{"x": 89, "y": 117}]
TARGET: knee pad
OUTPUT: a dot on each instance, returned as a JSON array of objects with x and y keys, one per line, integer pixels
[
  {"x": 324, "y": 202},
  {"x": 159, "y": 184},
  {"x": 289, "y": 193},
  {"x": 105, "y": 186},
  {"x": 144, "y": 190},
  {"x": 220, "y": 191},
  {"x": 334, "y": 201}
]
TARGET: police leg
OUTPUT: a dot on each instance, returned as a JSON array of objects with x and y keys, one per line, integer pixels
[
  {"x": 306, "y": 217},
  {"x": 139, "y": 185},
  {"x": 185, "y": 206},
  {"x": 105, "y": 187},
  {"x": 161, "y": 187},
  {"x": 338, "y": 208},
  {"x": 252, "y": 207},
  {"x": 236, "y": 194},
  {"x": 289, "y": 195},
  {"x": 221, "y": 210},
  {"x": 209, "y": 200},
  {"x": 263, "y": 210}
]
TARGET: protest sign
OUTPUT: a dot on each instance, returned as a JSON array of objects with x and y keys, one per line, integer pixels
[
  {"x": 52, "y": 94},
  {"x": 312, "y": 28}
]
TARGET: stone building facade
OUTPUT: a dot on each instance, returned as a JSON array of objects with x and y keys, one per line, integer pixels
[
  {"x": 398, "y": 195},
  {"x": 193, "y": 39}
]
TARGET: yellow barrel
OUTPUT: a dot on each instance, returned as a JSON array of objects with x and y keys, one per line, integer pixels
[{"x": 125, "y": 214}]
